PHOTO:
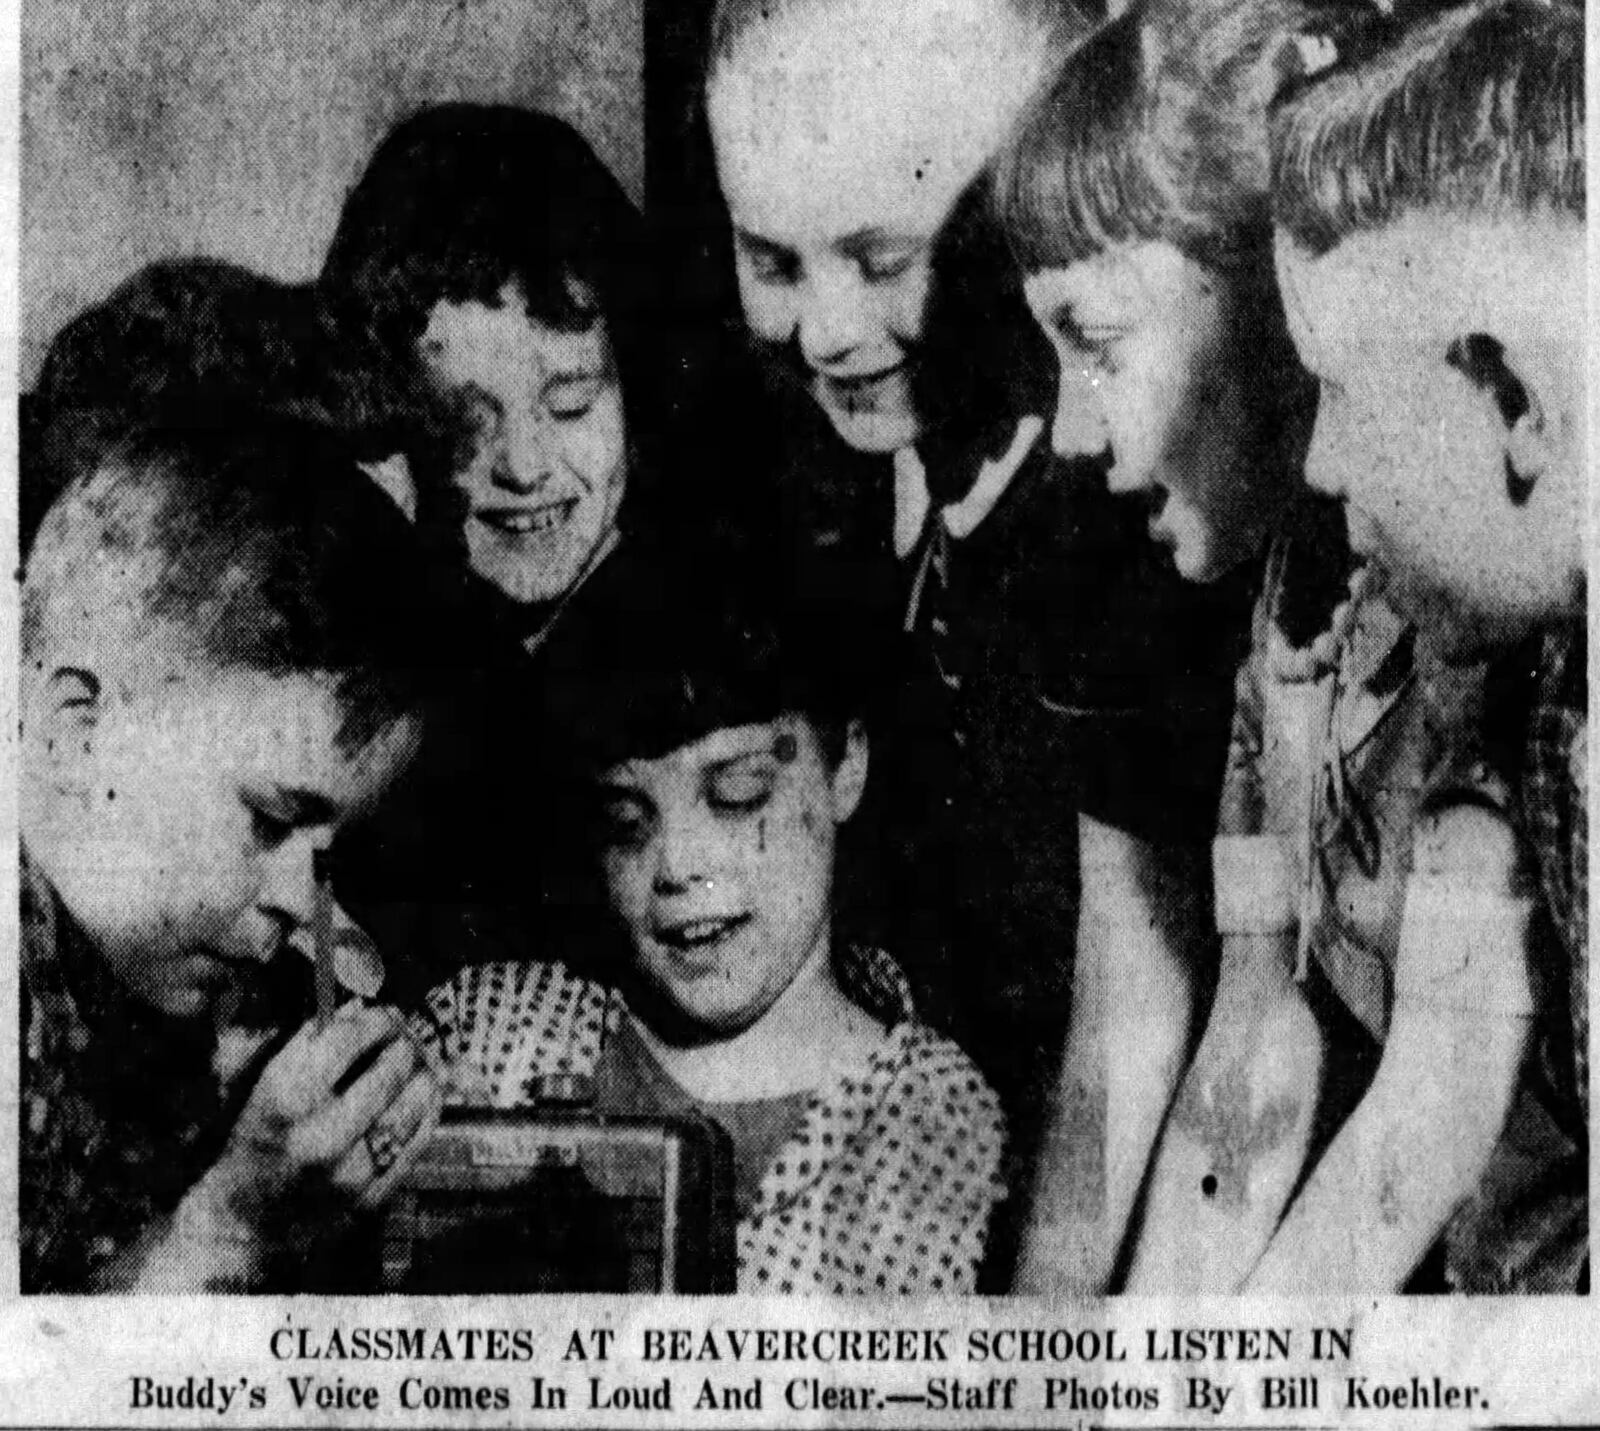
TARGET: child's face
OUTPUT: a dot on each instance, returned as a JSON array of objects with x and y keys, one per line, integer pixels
[
  {"x": 719, "y": 863},
  {"x": 1152, "y": 369},
  {"x": 177, "y": 824},
  {"x": 547, "y": 449},
  {"x": 843, "y": 142},
  {"x": 1449, "y": 353}
]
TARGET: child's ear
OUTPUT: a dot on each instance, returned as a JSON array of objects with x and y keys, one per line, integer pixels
[
  {"x": 1514, "y": 389},
  {"x": 850, "y": 775},
  {"x": 68, "y": 714}
]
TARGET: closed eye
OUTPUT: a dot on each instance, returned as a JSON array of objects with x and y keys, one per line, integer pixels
[
  {"x": 768, "y": 262},
  {"x": 883, "y": 267},
  {"x": 573, "y": 396},
  {"x": 270, "y": 827},
  {"x": 624, "y": 822},
  {"x": 742, "y": 785}
]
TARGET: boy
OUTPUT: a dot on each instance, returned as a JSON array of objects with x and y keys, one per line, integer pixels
[
  {"x": 1378, "y": 878},
  {"x": 721, "y": 761},
  {"x": 1430, "y": 212},
  {"x": 222, "y": 641}
]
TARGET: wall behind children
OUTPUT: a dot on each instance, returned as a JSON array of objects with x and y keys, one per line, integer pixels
[{"x": 235, "y": 127}]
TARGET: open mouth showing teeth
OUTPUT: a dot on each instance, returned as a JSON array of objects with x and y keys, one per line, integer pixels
[
  {"x": 519, "y": 522},
  {"x": 699, "y": 933}
]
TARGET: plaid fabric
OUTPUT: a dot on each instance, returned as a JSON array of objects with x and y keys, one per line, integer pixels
[
  {"x": 1341, "y": 766},
  {"x": 887, "y": 1185},
  {"x": 1554, "y": 806},
  {"x": 103, "y": 1157}
]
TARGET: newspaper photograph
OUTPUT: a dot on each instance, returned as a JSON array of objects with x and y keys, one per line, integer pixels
[{"x": 798, "y": 713}]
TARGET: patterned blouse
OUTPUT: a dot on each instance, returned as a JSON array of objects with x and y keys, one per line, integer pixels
[
  {"x": 104, "y": 1158},
  {"x": 1555, "y": 816},
  {"x": 886, "y": 1186}
]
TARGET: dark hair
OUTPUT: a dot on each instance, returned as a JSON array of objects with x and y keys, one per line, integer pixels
[
  {"x": 196, "y": 342},
  {"x": 188, "y": 338},
  {"x": 1153, "y": 130},
  {"x": 694, "y": 642},
  {"x": 462, "y": 200},
  {"x": 1478, "y": 109},
  {"x": 260, "y": 545}
]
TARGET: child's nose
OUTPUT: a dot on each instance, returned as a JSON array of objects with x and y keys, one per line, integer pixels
[
  {"x": 685, "y": 855},
  {"x": 833, "y": 319},
  {"x": 1079, "y": 429},
  {"x": 525, "y": 460},
  {"x": 290, "y": 887}
]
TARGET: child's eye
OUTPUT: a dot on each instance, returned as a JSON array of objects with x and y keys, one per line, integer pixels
[
  {"x": 1103, "y": 347},
  {"x": 740, "y": 788},
  {"x": 572, "y": 398},
  {"x": 884, "y": 267},
  {"x": 770, "y": 265},
  {"x": 624, "y": 825},
  {"x": 269, "y": 828}
]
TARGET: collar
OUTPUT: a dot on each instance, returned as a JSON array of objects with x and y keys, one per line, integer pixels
[{"x": 912, "y": 500}]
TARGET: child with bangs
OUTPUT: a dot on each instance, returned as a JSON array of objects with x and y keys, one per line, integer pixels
[
  {"x": 1429, "y": 198},
  {"x": 1134, "y": 195},
  {"x": 719, "y": 755},
  {"x": 1137, "y": 195}
]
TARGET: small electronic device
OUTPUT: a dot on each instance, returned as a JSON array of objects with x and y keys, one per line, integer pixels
[{"x": 559, "y": 1200}]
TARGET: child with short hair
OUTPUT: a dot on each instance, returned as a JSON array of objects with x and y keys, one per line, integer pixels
[
  {"x": 721, "y": 757},
  {"x": 225, "y": 642},
  {"x": 1429, "y": 194},
  {"x": 1134, "y": 195}
]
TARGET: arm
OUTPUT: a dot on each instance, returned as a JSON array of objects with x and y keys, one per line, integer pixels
[
  {"x": 1420, "y": 1139},
  {"x": 1236, "y": 1141},
  {"x": 1143, "y": 916}
]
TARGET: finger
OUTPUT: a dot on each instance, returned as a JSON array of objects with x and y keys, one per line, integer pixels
[
  {"x": 303, "y": 1076},
  {"x": 398, "y": 1124},
  {"x": 323, "y": 1136},
  {"x": 424, "y": 1100},
  {"x": 354, "y": 1031}
]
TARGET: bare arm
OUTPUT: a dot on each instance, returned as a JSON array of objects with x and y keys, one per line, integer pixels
[
  {"x": 1236, "y": 1141},
  {"x": 1420, "y": 1139},
  {"x": 1144, "y": 925}
]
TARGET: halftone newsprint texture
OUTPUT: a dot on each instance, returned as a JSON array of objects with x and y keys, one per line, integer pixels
[{"x": 797, "y": 712}]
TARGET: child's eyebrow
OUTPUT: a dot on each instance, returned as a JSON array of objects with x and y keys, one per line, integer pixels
[
  {"x": 767, "y": 750},
  {"x": 760, "y": 244},
  {"x": 574, "y": 375}
]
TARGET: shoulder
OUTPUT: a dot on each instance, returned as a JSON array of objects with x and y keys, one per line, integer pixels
[{"x": 936, "y": 1106}]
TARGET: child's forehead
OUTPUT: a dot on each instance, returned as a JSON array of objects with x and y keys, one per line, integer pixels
[
  {"x": 783, "y": 738},
  {"x": 1437, "y": 273},
  {"x": 265, "y": 726}
]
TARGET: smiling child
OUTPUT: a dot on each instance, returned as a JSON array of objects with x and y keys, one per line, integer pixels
[{"x": 725, "y": 758}]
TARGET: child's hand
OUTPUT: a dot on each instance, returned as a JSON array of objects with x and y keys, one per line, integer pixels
[{"x": 307, "y": 1147}]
